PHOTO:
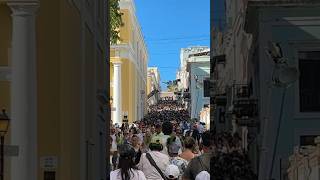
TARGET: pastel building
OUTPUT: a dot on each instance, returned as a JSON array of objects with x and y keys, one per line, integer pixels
[
  {"x": 198, "y": 69},
  {"x": 128, "y": 69},
  {"x": 52, "y": 69}
]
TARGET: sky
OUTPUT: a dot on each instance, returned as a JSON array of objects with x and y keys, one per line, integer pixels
[{"x": 168, "y": 26}]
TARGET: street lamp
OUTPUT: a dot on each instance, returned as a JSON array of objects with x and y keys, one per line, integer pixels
[{"x": 4, "y": 125}]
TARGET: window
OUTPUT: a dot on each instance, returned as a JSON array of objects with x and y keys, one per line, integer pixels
[
  {"x": 309, "y": 86},
  {"x": 206, "y": 87},
  {"x": 307, "y": 140},
  {"x": 222, "y": 113}
]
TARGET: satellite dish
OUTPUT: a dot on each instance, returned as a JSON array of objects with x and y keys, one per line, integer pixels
[{"x": 285, "y": 76}]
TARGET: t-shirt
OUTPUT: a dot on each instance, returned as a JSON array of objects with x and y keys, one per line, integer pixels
[
  {"x": 134, "y": 175},
  {"x": 114, "y": 143},
  {"x": 164, "y": 143},
  {"x": 151, "y": 172},
  {"x": 198, "y": 164},
  {"x": 180, "y": 162},
  {"x": 155, "y": 135}
]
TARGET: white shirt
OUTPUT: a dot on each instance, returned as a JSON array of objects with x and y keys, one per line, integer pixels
[
  {"x": 114, "y": 143},
  {"x": 134, "y": 175},
  {"x": 149, "y": 171}
]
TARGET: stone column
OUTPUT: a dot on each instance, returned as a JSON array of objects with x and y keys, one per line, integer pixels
[
  {"x": 23, "y": 123},
  {"x": 117, "y": 90}
]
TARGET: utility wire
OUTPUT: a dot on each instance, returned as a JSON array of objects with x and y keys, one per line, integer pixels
[
  {"x": 177, "y": 42},
  {"x": 162, "y": 67},
  {"x": 160, "y": 54},
  {"x": 179, "y": 39},
  {"x": 175, "y": 38}
]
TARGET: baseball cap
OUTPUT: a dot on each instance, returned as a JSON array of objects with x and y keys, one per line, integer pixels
[
  {"x": 156, "y": 140},
  {"x": 172, "y": 172},
  {"x": 203, "y": 175}
]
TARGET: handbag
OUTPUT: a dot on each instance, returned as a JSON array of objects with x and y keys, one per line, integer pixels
[{"x": 153, "y": 163}]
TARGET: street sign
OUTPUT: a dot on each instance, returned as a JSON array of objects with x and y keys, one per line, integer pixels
[
  {"x": 10, "y": 150},
  {"x": 49, "y": 163}
]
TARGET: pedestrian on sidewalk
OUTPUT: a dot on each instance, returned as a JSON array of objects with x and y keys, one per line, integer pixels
[
  {"x": 202, "y": 162},
  {"x": 172, "y": 172},
  {"x": 113, "y": 149},
  {"x": 203, "y": 175},
  {"x": 137, "y": 148},
  {"x": 173, "y": 151},
  {"x": 167, "y": 129},
  {"x": 127, "y": 169},
  {"x": 153, "y": 163},
  {"x": 188, "y": 149}
]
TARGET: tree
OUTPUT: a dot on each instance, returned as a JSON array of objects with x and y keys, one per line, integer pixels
[
  {"x": 171, "y": 85},
  {"x": 115, "y": 21}
]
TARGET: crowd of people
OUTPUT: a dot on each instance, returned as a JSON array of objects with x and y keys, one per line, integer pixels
[{"x": 168, "y": 145}]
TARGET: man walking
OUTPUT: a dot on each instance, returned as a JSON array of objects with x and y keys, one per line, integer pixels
[{"x": 202, "y": 162}]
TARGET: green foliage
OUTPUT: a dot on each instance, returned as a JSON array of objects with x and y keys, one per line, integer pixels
[
  {"x": 115, "y": 21},
  {"x": 171, "y": 85}
]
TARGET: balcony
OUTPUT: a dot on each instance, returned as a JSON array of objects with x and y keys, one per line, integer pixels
[
  {"x": 242, "y": 108},
  {"x": 245, "y": 107},
  {"x": 217, "y": 94},
  {"x": 241, "y": 91},
  {"x": 248, "y": 122}
]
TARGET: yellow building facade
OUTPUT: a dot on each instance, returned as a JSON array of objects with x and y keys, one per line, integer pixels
[
  {"x": 53, "y": 83},
  {"x": 128, "y": 69}
]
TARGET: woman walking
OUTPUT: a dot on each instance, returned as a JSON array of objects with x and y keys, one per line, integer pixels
[{"x": 127, "y": 169}]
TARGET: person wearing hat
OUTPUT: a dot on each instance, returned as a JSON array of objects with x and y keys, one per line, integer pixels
[
  {"x": 172, "y": 172},
  {"x": 153, "y": 163},
  {"x": 127, "y": 169},
  {"x": 203, "y": 175}
]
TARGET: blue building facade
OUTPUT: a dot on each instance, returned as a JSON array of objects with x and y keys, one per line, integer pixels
[{"x": 198, "y": 72}]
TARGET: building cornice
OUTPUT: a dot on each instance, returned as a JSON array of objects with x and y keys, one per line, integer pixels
[
  {"x": 126, "y": 52},
  {"x": 282, "y": 3},
  {"x": 253, "y": 6},
  {"x": 129, "y": 4}
]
